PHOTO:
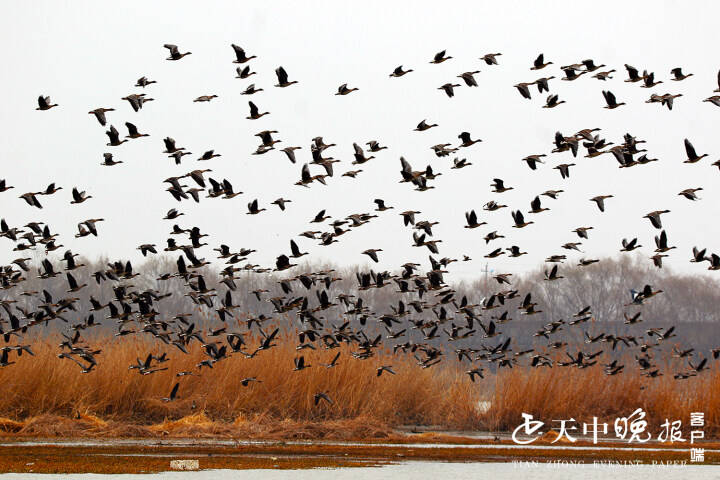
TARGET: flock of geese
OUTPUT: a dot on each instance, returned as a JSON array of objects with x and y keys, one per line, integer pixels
[{"x": 426, "y": 303}]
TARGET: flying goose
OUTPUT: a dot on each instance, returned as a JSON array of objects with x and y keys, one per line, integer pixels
[
  {"x": 280, "y": 202},
  {"x": 147, "y": 247},
  {"x": 490, "y": 59},
  {"x": 499, "y": 186},
  {"x": 633, "y": 74},
  {"x": 244, "y": 72},
  {"x": 661, "y": 243},
  {"x": 692, "y": 156},
  {"x": 300, "y": 364},
  {"x": 553, "y": 274},
  {"x": 657, "y": 259},
  {"x": 515, "y": 251},
  {"x": 205, "y": 98},
  {"x": 240, "y": 56},
  {"x": 114, "y": 137},
  {"x": 136, "y": 100},
  {"x": 253, "y": 208},
  {"x": 108, "y": 160},
  {"x": 552, "y": 101},
  {"x": 144, "y": 82},
  {"x": 552, "y": 193},
  {"x": 590, "y": 65},
  {"x": 690, "y": 193},
  {"x": 629, "y": 246},
  {"x": 611, "y": 102},
  {"x": 654, "y": 218},
  {"x": 535, "y": 206},
  {"x": 457, "y": 164},
  {"x": 542, "y": 84},
  {"x": 282, "y": 77},
  {"x": 250, "y": 90},
  {"x": 600, "y": 201},
  {"x": 208, "y": 155},
  {"x": 374, "y": 146},
  {"x": 170, "y": 145},
  {"x": 50, "y": 189},
  {"x": 582, "y": 232},
  {"x": 296, "y": 253},
  {"x": 44, "y": 103},
  {"x": 519, "y": 219},
  {"x": 359, "y": 155},
  {"x": 178, "y": 158},
  {"x": 564, "y": 169},
  {"x": 283, "y": 263},
  {"x": 173, "y": 393},
  {"x": 100, "y": 114},
  {"x": 714, "y": 262},
  {"x": 198, "y": 176},
  {"x": 172, "y": 214},
  {"x": 604, "y": 76},
  {"x": 78, "y": 196},
  {"x": 322, "y": 396},
  {"x": 533, "y": 160},
  {"x": 469, "y": 79},
  {"x": 73, "y": 284},
  {"x": 448, "y": 88},
  {"x": 399, "y": 72},
  {"x": 4, "y": 187},
  {"x": 540, "y": 63},
  {"x": 174, "y": 52},
  {"x": 133, "y": 131},
  {"x": 715, "y": 100},
  {"x": 351, "y": 173},
  {"x": 491, "y": 206},
  {"x": 471, "y": 218},
  {"x": 698, "y": 255},
  {"x": 306, "y": 178},
  {"x": 649, "y": 80},
  {"x": 290, "y": 152},
  {"x": 440, "y": 57},
  {"x": 372, "y": 253},
  {"x": 344, "y": 90},
  {"x": 571, "y": 73},
  {"x": 466, "y": 140},
  {"x": 524, "y": 89},
  {"x": 422, "y": 126}
]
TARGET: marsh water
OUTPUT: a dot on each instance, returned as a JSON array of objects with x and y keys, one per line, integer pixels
[{"x": 419, "y": 470}]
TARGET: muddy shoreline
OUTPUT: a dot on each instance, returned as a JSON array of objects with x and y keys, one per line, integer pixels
[{"x": 141, "y": 455}]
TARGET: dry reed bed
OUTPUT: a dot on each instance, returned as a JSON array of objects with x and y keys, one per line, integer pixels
[
  {"x": 564, "y": 393},
  {"x": 43, "y": 385},
  {"x": 47, "y": 396}
]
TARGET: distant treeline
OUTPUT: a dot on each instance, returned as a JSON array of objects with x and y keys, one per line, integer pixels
[{"x": 689, "y": 301}]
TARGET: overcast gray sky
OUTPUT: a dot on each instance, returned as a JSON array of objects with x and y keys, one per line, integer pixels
[{"x": 88, "y": 54}]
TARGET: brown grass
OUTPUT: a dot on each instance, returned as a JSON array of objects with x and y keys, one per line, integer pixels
[
  {"x": 111, "y": 398},
  {"x": 47, "y": 396},
  {"x": 564, "y": 393}
]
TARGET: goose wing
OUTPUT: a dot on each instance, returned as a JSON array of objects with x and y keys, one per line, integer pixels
[
  {"x": 539, "y": 61},
  {"x": 281, "y": 75}
]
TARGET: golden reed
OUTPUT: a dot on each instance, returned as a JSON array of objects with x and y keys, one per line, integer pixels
[{"x": 45, "y": 395}]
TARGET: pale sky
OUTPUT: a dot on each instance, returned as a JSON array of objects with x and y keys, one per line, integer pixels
[{"x": 89, "y": 54}]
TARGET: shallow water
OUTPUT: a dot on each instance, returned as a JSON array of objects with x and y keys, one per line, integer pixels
[{"x": 419, "y": 470}]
